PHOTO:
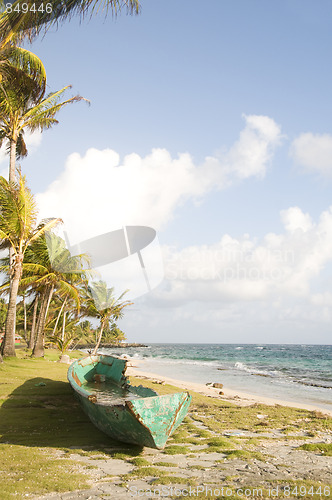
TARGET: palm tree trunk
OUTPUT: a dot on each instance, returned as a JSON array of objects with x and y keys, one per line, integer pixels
[
  {"x": 8, "y": 344},
  {"x": 59, "y": 315},
  {"x": 48, "y": 303},
  {"x": 99, "y": 339},
  {"x": 12, "y": 159},
  {"x": 38, "y": 349},
  {"x": 33, "y": 326},
  {"x": 12, "y": 178},
  {"x": 25, "y": 319},
  {"x": 63, "y": 326}
]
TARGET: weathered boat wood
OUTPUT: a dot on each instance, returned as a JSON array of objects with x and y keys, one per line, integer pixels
[{"x": 127, "y": 413}]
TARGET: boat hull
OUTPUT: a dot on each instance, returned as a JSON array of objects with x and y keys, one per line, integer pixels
[{"x": 145, "y": 419}]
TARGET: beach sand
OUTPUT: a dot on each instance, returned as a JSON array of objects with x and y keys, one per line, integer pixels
[{"x": 237, "y": 397}]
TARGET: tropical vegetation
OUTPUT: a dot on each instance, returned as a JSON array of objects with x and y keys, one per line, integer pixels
[
  {"x": 47, "y": 294},
  {"x": 18, "y": 230},
  {"x": 101, "y": 304},
  {"x": 20, "y": 111},
  {"x": 57, "y": 289},
  {"x": 17, "y": 22}
]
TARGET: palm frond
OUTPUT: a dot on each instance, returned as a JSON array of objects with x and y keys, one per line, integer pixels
[
  {"x": 22, "y": 70},
  {"x": 30, "y": 64},
  {"x": 41, "y": 230},
  {"x": 17, "y": 25},
  {"x": 27, "y": 281},
  {"x": 21, "y": 148},
  {"x": 42, "y": 114},
  {"x": 37, "y": 269},
  {"x": 71, "y": 291}
]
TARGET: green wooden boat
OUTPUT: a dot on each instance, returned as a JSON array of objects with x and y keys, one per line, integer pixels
[{"x": 127, "y": 413}]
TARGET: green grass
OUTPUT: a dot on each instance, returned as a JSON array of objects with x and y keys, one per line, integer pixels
[
  {"x": 139, "y": 462},
  {"x": 245, "y": 455},
  {"x": 147, "y": 471},
  {"x": 36, "y": 419},
  {"x": 165, "y": 464},
  {"x": 176, "y": 480},
  {"x": 223, "y": 443},
  {"x": 31, "y": 470},
  {"x": 323, "y": 448},
  {"x": 125, "y": 453},
  {"x": 39, "y": 414},
  {"x": 180, "y": 436},
  {"x": 194, "y": 440},
  {"x": 176, "y": 450},
  {"x": 218, "y": 417},
  {"x": 197, "y": 467}
]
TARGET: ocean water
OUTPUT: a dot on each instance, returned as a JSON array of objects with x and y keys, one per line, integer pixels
[{"x": 296, "y": 373}]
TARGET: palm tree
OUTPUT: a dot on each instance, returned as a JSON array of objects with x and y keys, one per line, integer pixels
[
  {"x": 49, "y": 268},
  {"x": 18, "y": 65},
  {"x": 22, "y": 80},
  {"x": 3, "y": 314},
  {"x": 20, "y": 111},
  {"x": 22, "y": 70},
  {"x": 102, "y": 304},
  {"x": 18, "y": 230},
  {"x": 39, "y": 15}
]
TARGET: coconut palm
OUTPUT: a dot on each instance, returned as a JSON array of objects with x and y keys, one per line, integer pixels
[
  {"x": 27, "y": 311},
  {"x": 18, "y": 64},
  {"x": 53, "y": 277},
  {"x": 19, "y": 111},
  {"x": 17, "y": 22},
  {"x": 18, "y": 230},
  {"x": 22, "y": 68},
  {"x": 22, "y": 82},
  {"x": 49, "y": 268},
  {"x": 102, "y": 304}
]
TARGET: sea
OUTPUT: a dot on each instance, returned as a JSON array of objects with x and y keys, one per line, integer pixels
[{"x": 295, "y": 373}]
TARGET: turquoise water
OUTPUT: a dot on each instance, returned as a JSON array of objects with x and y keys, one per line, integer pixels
[{"x": 297, "y": 373}]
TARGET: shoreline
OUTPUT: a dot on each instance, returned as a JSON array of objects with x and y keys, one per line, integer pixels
[
  {"x": 239, "y": 398},
  {"x": 296, "y": 376},
  {"x": 110, "y": 345}
]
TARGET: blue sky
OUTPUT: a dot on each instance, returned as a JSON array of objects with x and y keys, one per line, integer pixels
[{"x": 245, "y": 82}]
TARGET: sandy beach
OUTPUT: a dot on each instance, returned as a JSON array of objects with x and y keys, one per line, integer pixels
[{"x": 237, "y": 397}]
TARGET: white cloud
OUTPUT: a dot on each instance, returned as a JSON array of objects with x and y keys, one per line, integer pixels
[
  {"x": 251, "y": 154},
  {"x": 97, "y": 193},
  {"x": 33, "y": 140},
  {"x": 322, "y": 299},
  {"x": 233, "y": 282},
  {"x": 292, "y": 320},
  {"x": 244, "y": 290},
  {"x": 235, "y": 270},
  {"x": 3, "y": 154},
  {"x": 313, "y": 152},
  {"x": 293, "y": 219}
]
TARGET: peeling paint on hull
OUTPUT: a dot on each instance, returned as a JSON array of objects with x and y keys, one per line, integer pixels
[{"x": 141, "y": 418}]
